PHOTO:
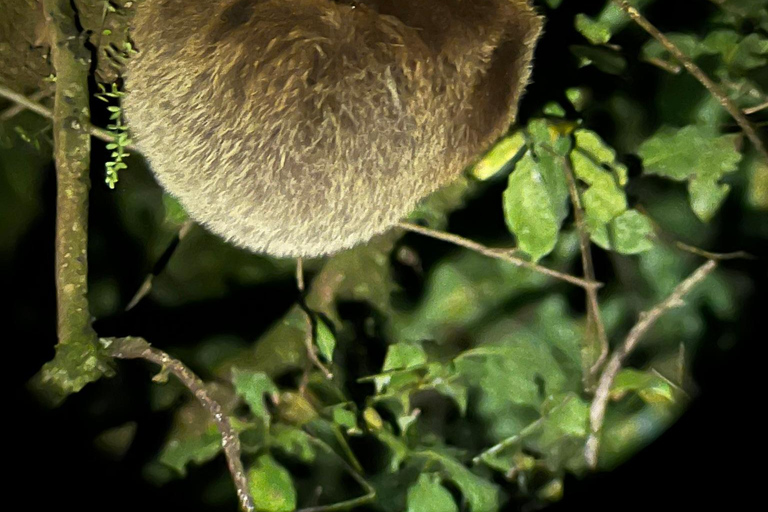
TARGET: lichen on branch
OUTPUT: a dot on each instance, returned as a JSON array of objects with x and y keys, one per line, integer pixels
[{"x": 78, "y": 359}]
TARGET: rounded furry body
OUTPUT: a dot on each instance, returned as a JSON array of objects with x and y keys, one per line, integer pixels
[{"x": 304, "y": 127}]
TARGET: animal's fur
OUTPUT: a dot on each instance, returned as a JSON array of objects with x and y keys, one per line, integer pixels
[{"x": 303, "y": 127}]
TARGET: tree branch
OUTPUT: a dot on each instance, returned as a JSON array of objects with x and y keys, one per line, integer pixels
[
  {"x": 501, "y": 254},
  {"x": 594, "y": 320},
  {"x": 697, "y": 73},
  {"x": 26, "y": 103},
  {"x": 78, "y": 359},
  {"x": 138, "y": 348},
  {"x": 612, "y": 368}
]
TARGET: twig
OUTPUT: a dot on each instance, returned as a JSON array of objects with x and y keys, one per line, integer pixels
[
  {"x": 612, "y": 368},
  {"x": 525, "y": 432},
  {"x": 670, "y": 240},
  {"x": 594, "y": 319},
  {"x": 138, "y": 348},
  {"x": 17, "y": 108},
  {"x": 717, "y": 256},
  {"x": 309, "y": 337},
  {"x": 714, "y": 89},
  {"x": 39, "y": 109},
  {"x": 162, "y": 262},
  {"x": 757, "y": 108},
  {"x": 370, "y": 492},
  {"x": 501, "y": 254}
]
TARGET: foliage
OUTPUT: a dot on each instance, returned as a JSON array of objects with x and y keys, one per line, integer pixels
[{"x": 460, "y": 381}]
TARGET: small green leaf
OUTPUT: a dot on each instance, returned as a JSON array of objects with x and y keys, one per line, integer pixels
[
  {"x": 428, "y": 495},
  {"x": 293, "y": 441},
  {"x": 252, "y": 386},
  {"x": 505, "y": 151},
  {"x": 177, "y": 453},
  {"x": 404, "y": 355},
  {"x": 596, "y": 32},
  {"x": 271, "y": 486},
  {"x": 481, "y": 495},
  {"x": 629, "y": 233},
  {"x": 650, "y": 387},
  {"x": 326, "y": 341},
  {"x": 706, "y": 197},
  {"x": 344, "y": 418},
  {"x": 174, "y": 212}
]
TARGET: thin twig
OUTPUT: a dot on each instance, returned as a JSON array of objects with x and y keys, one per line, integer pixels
[
  {"x": 309, "y": 337},
  {"x": 24, "y": 102},
  {"x": 501, "y": 254},
  {"x": 525, "y": 432},
  {"x": 594, "y": 319},
  {"x": 757, "y": 108},
  {"x": 670, "y": 240},
  {"x": 160, "y": 265},
  {"x": 612, "y": 368},
  {"x": 138, "y": 348},
  {"x": 16, "y": 108},
  {"x": 714, "y": 89},
  {"x": 370, "y": 492}
]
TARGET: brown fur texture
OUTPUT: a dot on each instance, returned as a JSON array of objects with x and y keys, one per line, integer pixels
[{"x": 304, "y": 127}]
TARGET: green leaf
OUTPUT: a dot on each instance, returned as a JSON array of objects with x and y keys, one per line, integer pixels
[
  {"x": 428, "y": 495},
  {"x": 400, "y": 356},
  {"x": 252, "y": 386},
  {"x": 344, "y": 418},
  {"x": 650, "y": 387},
  {"x": 481, "y": 495},
  {"x": 503, "y": 152},
  {"x": 611, "y": 20},
  {"x": 177, "y": 453},
  {"x": 529, "y": 210},
  {"x": 271, "y": 486},
  {"x": 693, "y": 153},
  {"x": 293, "y": 441},
  {"x": 706, "y": 197},
  {"x": 174, "y": 212},
  {"x": 326, "y": 341},
  {"x": 738, "y": 52},
  {"x": 629, "y": 233}
]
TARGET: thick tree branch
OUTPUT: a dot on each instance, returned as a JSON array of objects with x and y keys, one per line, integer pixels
[
  {"x": 138, "y": 348},
  {"x": 612, "y": 368},
  {"x": 78, "y": 359},
  {"x": 501, "y": 254},
  {"x": 714, "y": 89}
]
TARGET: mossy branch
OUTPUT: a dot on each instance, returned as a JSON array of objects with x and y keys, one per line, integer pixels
[{"x": 78, "y": 359}]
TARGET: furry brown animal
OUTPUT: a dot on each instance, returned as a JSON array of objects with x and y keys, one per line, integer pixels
[{"x": 303, "y": 127}]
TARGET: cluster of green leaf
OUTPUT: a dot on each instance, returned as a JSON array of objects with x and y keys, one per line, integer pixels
[{"x": 485, "y": 373}]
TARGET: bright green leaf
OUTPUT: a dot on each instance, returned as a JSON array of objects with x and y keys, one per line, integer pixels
[
  {"x": 252, "y": 386},
  {"x": 629, "y": 233},
  {"x": 428, "y": 495},
  {"x": 650, "y": 387},
  {"x": 271, "y": 486},
  {"x": 693, "y": 153},
  {"x": 326, "y": 341},
  {"x": 528, "y": 210}
]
